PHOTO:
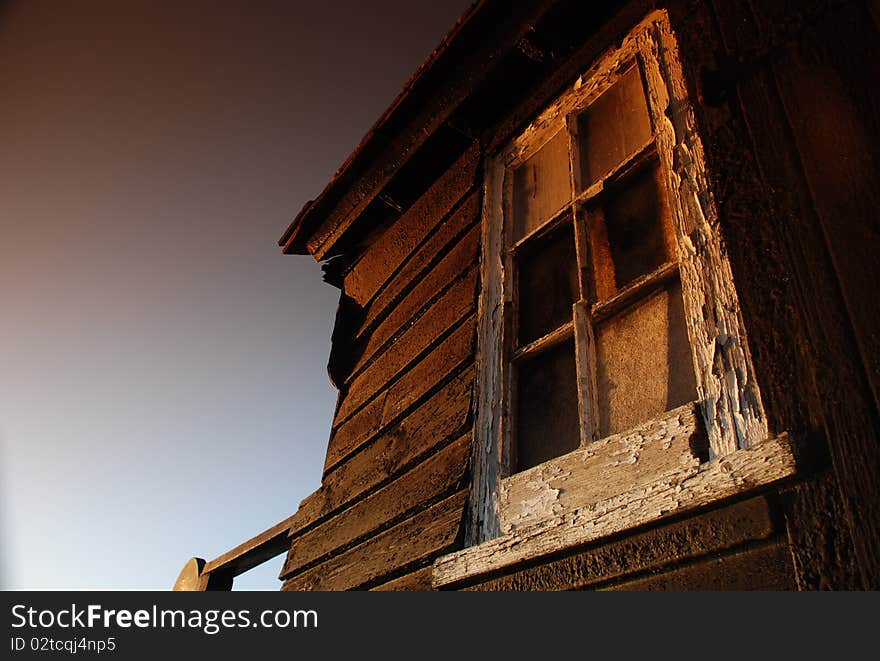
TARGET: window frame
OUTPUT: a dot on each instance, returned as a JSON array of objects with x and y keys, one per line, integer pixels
[{"x": 728, "y": 410}]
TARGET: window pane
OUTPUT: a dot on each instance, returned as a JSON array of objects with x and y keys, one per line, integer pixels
[
  {"x": 613, "y": 127},
  {"x": 644, "y": 362},
  {"x": 632, "y": 232},
  {"x": 541, "y": 186},
  {"x": 547, "y": 410},
  {"x": 547, "y": 283}
]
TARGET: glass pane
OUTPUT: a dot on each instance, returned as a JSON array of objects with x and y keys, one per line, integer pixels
[
  {"x": 644, "y": 362},
  {"x": 614, "y": 126},
  {"x": 632, "y": 232},
  {"x": 547, "y": 409},
  {"x": 541, "y": 186},
  {"x": 547, "y": 283}
]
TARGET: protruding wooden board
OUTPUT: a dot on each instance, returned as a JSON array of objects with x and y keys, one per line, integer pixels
[
  {"x": 765, "y": 567},
  {"x": 711, "y": 532},
  {"x": 439, "y": 243},
  {"x": 460, "y": 258},
  {"x": 381, "y": 411},
  {"x": 452, "y": 307},
  {"x": 601, "y": 469},
  {"x": 427, "y": 481},
  {"x": 253, "y": 552},
  {"x": 736, "y": 473},
  {"x": 386, "y": 254},
  {"x": 429, "y": 533}
]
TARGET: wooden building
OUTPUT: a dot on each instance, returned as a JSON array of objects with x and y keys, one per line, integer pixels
[{"x": 607, "y": 314}]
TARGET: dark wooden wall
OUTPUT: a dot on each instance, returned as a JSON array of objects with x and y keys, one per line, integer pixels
[
  {"x": 792, "y": 130},
  {"x": 788, "y": 105}
]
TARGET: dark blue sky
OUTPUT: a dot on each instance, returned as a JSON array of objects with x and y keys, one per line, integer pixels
[{"x": 163, "y": 391}]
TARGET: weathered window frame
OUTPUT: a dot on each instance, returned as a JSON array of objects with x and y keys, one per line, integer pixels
[{"x": 696, "y": 454}]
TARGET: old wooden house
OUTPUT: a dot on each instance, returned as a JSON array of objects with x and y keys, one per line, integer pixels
[{"x": 607, "y": 314}]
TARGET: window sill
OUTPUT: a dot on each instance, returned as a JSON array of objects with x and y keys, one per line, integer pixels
[{"x": 549, "y": 508}]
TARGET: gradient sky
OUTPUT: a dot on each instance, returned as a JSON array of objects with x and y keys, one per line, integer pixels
[{"x": 163, "y": 388}]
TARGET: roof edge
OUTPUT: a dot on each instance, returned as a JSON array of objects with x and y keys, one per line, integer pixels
[{"x": 293, "y": 240}]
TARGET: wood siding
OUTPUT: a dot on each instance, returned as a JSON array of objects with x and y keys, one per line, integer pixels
[{"x": 396, "y": 472}]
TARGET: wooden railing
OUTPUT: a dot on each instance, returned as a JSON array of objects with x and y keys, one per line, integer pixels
[{"x": 218, "y": 574}]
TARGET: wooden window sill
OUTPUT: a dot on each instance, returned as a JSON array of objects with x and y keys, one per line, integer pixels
[{"x": 654, "y": 471}]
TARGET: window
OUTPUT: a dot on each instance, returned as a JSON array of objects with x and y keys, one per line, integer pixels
[
  {"x": 597, "y": 335},
  {"x": 614, "y": 380}
]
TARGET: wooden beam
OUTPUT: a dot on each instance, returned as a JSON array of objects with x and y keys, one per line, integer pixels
[{"x": 253, "y": 552}]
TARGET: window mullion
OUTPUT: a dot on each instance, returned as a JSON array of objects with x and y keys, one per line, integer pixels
[
  {"x": 585, "y": 355},
  {"x": 584, "y": 339},
  {"x": 510, "y": 317}
]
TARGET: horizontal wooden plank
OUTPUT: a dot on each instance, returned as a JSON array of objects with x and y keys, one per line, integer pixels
[
  {"x": 460, "y": 258},
  {"x": 442, "y": 417},
  {"x": 736, "y": 473},
  {"x": 427, "y": 481},
  {"x": 388, "y": 252},
  {"x": 417, "y": 581},
  {"x": 439, "y": 243},
  {"x": 601, "y": 469},
  {"x": 710, "y": 532},
  {"x": 427, "y": 534},
  {"x": 453, "y": 352},
  {"x": 766, "y": 567},
  {"x": 449, "y": 355},
  {"x": 253, "y": 552},
  {"x": 358, "y": 430},
  {"x": 452, "y": 307}
]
